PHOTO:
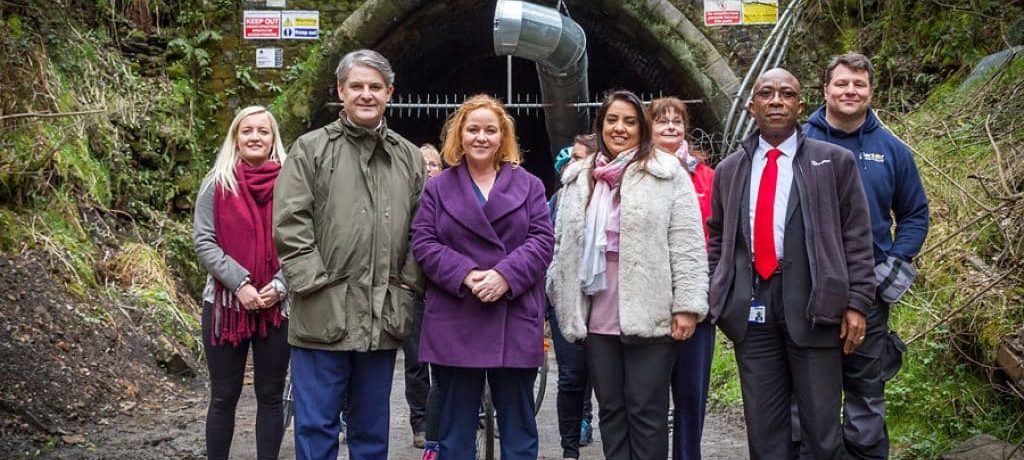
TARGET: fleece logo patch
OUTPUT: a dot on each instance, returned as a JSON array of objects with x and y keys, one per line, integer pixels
[{"x": 876, "y": 157}]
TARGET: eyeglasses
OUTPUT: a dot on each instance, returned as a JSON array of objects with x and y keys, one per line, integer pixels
[
  {"x": 667, "y": 122},
  {"x": 767, "y": 94}
]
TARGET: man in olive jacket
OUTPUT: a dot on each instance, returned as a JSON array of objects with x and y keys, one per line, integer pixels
[
  {"x": 343, "y": 207},
  {"x": 791, "y": 271}
]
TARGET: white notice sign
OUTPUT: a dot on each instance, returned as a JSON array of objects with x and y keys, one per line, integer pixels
[
  {"x": 269, "y": 58},
  {"x": 300, "y": 25},
  {"x": 275, "y": 3}
]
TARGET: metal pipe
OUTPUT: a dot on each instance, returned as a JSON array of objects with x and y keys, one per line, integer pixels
[
  {"x": 776, "y": 55},
  {"x": 756, "y": 68},
  {"x": 558, "y": 45}
]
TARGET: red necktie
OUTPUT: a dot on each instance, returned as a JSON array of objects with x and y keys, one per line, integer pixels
[{"x": 765, "y": 260}]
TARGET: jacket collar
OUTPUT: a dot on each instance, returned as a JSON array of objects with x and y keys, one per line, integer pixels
[
  {"x": 750, "y": 143},
  {"x": 506, "y": 196},
  {"x": 343, "y": 127}
]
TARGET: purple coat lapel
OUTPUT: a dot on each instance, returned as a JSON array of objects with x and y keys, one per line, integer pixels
[{"x": 506, "y": 195}]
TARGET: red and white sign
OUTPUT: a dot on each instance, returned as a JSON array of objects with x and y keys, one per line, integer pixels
[
  {"x": 262, "y": 25},
  {"x": 723, "y": 13}
]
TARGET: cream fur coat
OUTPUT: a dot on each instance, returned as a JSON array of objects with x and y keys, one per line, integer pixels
[{"x": 663, "y": 266}]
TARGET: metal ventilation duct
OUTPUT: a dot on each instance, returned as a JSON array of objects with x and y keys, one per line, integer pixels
[{"x": 558, "y": 45}]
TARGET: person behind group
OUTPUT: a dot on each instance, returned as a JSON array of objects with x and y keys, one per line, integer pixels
[
  {"x": 575, "y": 412},
  {"x": 895, "y": 197},
  {"x": 691, "y": 374},
  {"x": 342, "y": 216},
  {"x": 417, "y": 374},
  {"x": 432, "y": 158},
  {"x": 483, "y": 237},
  {"x": 245, "y": 295},
  {"x": 432, "y": 404},
  {"x": 630, "y": 274},
  {"x": 791, "y": 271}
]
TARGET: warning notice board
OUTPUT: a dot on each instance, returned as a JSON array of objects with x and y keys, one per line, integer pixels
[
  {"x": 262, "y": 25},
  {"x": 740, "y": 12},
  {"x": 300, "y": 25}
]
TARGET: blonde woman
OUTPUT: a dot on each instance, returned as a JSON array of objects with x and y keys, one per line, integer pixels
[{"x": 243, "y": 302}]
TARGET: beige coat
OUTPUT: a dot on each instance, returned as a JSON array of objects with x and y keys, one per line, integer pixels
[{"x": 662, "y": 260}]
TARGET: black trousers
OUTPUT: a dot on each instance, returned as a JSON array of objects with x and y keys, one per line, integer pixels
[
  {"x": 574, "y": 389},
  {"x": 631, "y": 382},
  {"x": 774, "y": 370},
  {"x": 226, "y": 364},
  {"x": 417, "y": 374}
]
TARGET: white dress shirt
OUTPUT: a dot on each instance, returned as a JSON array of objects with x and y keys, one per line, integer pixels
[{"x": 783, "y": 185}]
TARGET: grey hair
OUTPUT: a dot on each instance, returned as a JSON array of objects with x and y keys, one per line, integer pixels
[
  {"x": 368, "y": 58},
  {"x": 855, "y": 61}
]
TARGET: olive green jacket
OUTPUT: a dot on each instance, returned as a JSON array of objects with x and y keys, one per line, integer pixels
[{"x": 343, "y": 206}]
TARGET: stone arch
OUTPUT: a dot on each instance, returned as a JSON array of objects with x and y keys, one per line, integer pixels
[{"x": 445, "y": 46}]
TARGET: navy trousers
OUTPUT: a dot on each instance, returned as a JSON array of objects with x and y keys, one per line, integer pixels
[
  {"x": 320, "y": 380},
  {"x": 691, "y": 377},
  {"x": 512, "y": 394}
]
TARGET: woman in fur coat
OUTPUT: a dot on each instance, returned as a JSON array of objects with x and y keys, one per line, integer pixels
[{"x": 629, "y": 275}]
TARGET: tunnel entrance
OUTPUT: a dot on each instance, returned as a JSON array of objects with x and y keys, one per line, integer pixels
[{"x": 446, "y": 48}]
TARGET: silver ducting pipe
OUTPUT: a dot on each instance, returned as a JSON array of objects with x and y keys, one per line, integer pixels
[{"x": 558, "y": 45}]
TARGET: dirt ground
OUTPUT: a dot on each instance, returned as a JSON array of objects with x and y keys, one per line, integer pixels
[{"x": 176, "y": 432}]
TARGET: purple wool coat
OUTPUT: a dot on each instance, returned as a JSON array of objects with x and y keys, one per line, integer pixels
[{"x": 511, "y": 233}]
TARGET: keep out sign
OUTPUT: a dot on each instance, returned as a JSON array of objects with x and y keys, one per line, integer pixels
[{"x": 262, "y": 25}]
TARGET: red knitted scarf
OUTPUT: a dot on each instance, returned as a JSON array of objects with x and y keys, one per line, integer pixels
[{"x": 242, "y": 223}]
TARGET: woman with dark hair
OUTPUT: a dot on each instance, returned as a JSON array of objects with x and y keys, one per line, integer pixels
[
  {"x": 630, "y": 274},
  {"x": 483, "y": 238},
  {"x": 691, "y": 373},
  {"x": 244, "y": 302}
]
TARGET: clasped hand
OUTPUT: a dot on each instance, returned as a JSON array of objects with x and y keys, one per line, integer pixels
[
  {"x": 486, "y": 285},
  {"x": 252, "y": 299}
]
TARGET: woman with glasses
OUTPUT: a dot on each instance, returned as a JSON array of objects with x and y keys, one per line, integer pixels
[{"x": 691, "y": 373}]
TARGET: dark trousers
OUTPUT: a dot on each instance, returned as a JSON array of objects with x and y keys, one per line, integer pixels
[
  {"x": 631, "y": 382},
  {"x": 432, "y": 415},
  {"x": 773, "y": 371},
  {"x": 865, "y": 435},
  {"x": 573, "y": 399},
  {"x": 864, "y": 432},
  {"x": 512, "y": 393},
  {"x": 691, "y": 377},
  {"x": 226, "y": 364},
  {"x": 320, "y": 380},
  {"x": 417, "y": 374}
]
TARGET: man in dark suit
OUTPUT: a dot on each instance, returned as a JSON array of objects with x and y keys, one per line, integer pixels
[{"x": 792, "y": 271}]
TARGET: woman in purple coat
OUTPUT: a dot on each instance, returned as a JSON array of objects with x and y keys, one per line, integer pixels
[{"x": 483, "y": 238}]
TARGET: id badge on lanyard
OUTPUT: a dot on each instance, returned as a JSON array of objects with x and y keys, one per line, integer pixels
[{"x": 757, "y": 309}]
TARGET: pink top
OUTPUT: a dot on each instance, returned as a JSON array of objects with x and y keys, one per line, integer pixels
[{"x": 604, "y": 307}]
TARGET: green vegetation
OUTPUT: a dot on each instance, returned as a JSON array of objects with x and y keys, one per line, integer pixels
[
  {"x": 103, "y": 150},
  {"x": 969, "y": 296}
]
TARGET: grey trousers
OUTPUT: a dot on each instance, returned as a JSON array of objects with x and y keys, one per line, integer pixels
[{"x": 865, "y": 435}]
